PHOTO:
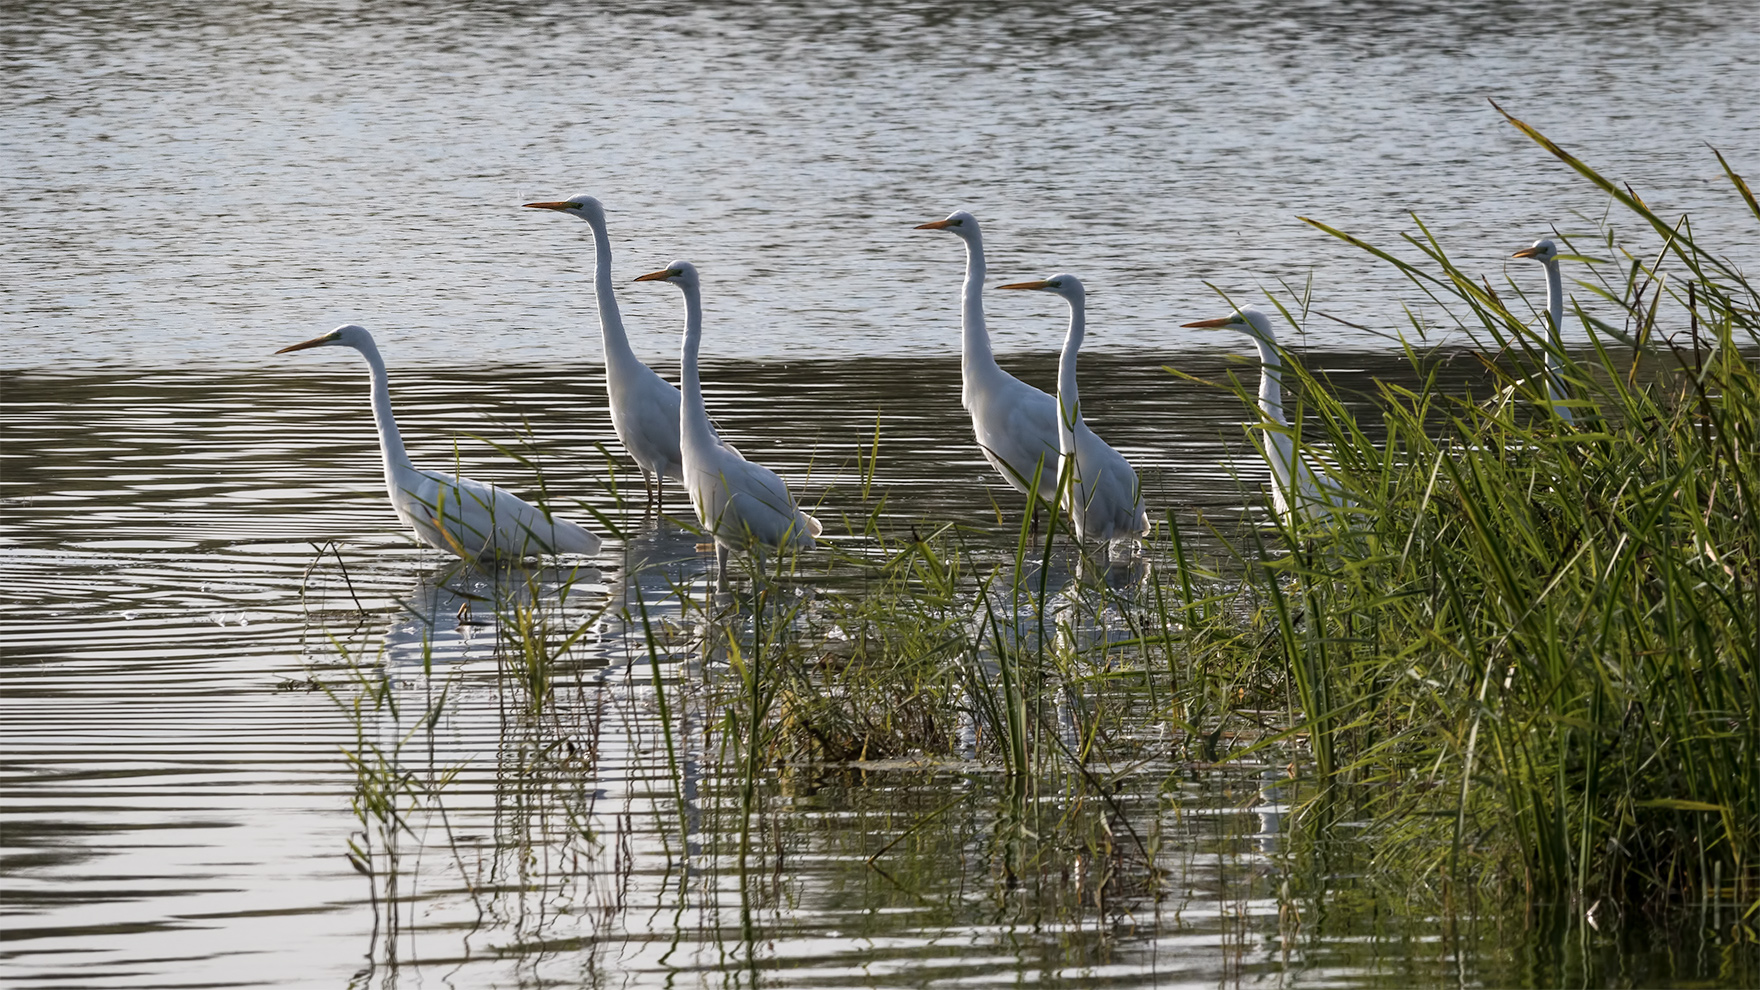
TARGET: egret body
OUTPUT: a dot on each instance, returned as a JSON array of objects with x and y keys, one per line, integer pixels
[
  {"x": 459, "y": 515},
  {"x": 1546, "y": 252},
  {"x": 1293, "y": 480},
  {"x": 743, "y": 505},
  {"x": 1102, "y": 495},
  {"x": 644, "y": 408},
  {"x": 1015, "y": 423}
]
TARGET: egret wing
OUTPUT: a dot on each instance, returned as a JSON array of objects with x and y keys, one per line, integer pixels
[
  {"x": 473, "y": 519},
  {"x": 645, "y": 413},
  {"x": 748, "y": 502},
  {"x": 1017, "y": 429},
  {"x": 1108, "y": 490}
]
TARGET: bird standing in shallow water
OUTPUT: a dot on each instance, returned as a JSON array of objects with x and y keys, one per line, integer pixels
[
  {"x": 743, "y": 505},
  {"x": 459, "y": 515},
  {"x": 1015, "y": 423},
  {"x": 1102, "y": 497},
  {"x": 1293, "y": 481},
  {"x": 1546, "y": 252},
  {"x": 644, "y": 408}
]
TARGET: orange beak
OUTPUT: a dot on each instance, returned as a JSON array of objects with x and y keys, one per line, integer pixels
[
  {"x": 661, "y": 275},
  {"x": 934, "y": 225},
  {"x": 549, "y": 206},
  {"x": 1040, "y": 284},
  {"x": 1526, "y": 252},
  {"x": 302, "y": 345},
  {"x": 1216, "y": 324}
]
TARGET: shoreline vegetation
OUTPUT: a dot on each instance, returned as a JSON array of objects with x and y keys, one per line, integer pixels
[{"x": 1515, "y": 671}]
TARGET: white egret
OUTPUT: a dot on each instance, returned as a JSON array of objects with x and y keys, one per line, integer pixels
[
  {"x": 1545, "y": 252},
  {"x": 466, "y": 517},
  {"x": 743, "y": 505},
  {"x": 644, "y": 408},
  {"x": 1102, "y": 497},
  {"x": 1293, "y": 479},
  {"x": 1015, "y": 423}
]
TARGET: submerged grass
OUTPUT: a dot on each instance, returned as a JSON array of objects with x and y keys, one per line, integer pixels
[
  {"x": 1520, "y": 665},
  {"x": 1532, "y": 648},
  {"x": 1523, "y": 658}
]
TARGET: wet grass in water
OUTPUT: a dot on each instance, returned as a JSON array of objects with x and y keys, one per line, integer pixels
[{"x": 1518, "y": 670}]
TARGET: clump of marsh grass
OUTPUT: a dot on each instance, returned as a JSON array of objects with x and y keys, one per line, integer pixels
[
  {"x": 1520, "y": 654},
  {"x": 1529, "y": 652}
]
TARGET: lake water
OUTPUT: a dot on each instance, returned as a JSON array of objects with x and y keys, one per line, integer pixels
[
  {"x": 191, "y": 183},
  {"x": 190, "y": 186}
]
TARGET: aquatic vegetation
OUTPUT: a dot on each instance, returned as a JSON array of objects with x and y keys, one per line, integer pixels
[
  {"x": 1513, "y": 664},
  {"x": 1530, "y": 652}
]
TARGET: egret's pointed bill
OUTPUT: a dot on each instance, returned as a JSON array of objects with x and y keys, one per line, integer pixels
[
  {"x": 934, "y": 225},
  {"x": 661, "y": 275},
  {"x": 1527, "y": 252},
  {"x": 560, "y": 205},
  {"x": 314, "y": 342},
  {"x": 1038, "y": 284},
  {"x": 1216, "y": 324}
]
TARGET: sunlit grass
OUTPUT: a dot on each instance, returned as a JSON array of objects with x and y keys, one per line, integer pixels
[{"x": 1519, "y": 665}]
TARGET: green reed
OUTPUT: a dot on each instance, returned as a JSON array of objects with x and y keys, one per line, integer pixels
[
  {"x": 1520, "y": 663},
  {"x": 1532, "y": 648}
]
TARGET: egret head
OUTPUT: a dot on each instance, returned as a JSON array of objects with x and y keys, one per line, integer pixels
[
  {"x": 959, "y": 222},
  {"x": 585, "y": 207},
  {"x": 1543, "y": 251},
  {"x": 680, "y": 273},
  {"x": 1067, "y": 286},
  {"x": 348, "y": 335},
  {"x": 1249, "y": 320}
]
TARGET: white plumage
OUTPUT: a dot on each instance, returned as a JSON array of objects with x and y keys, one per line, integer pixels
[
  {"x": 644, "y": 408},
  {"x": 1015, "y": 423},
  {"x": 1294, "y": 481},
  {"x": 743, "y": 505},
  {"x": 1546, "y": 252},
  {"x": 1102, "y": 495},
  {"x": 459, "y": 515}
]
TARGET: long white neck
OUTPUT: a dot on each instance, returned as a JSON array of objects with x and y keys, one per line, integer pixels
[
  {"x": 694, "y": 429},
  {"x": 1270, "y": 382},
  {"x": 1278, "y": 443},
  {"x": 390, "y": 441},
  {"x": 1555, "y": 327},
  {"x": 977, "y": 361},
  {"x": 1069, "y": 401},
  {"x": 1554, "y": 300},
  {"x": 617, "y": 349}
]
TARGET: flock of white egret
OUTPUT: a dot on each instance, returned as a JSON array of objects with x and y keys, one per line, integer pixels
[{"x": 1037, "y": 442}]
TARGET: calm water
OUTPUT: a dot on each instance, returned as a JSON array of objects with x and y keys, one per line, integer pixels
[
  {"x": 189, "y": 182},
  {"x": 178, "y": 805},
  {"x": 190, "y": 186}
]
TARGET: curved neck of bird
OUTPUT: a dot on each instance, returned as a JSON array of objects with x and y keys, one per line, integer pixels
[
  {"x": 694, "y": 429},
  {"x": 976, "y": 357},
  {"x": 610, "y": 317},
  {"x": 1554, "y": 300},
  {"x": 390, "y": 441},
  {"x": 1555, "y": 329},
  {"x": 1270, "y": 381},
  {"x": 1280, "y": 447},
  {"x": 1069, "y": 402}
]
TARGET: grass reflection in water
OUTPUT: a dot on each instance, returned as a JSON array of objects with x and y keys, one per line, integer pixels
[{"x": 1457, "y": 699}]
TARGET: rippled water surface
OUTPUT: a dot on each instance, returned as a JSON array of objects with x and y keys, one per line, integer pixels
[
  {"x": 178, "y": 805},
  {"x": 186, "y": 181},
  {"x": 196, "y": 537},
  {"x": 206, "y": 591}
]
